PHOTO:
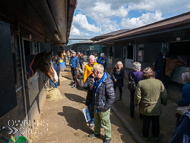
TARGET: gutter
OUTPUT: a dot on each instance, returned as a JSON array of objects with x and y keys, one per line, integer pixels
[
  {"x": 146, "y": 34},
  {"x": 141, "y": 32}
]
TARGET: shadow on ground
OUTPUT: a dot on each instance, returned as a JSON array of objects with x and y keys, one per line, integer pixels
[
  {"x": 67, "y": 77},
  {"x": 75, "y": 119},
  {"x": 120, "y": 129},
  {"x": 75, "y": 97}
]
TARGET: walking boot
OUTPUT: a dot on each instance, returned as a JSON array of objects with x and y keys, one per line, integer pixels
[
  {"x": 93, "y": 135},
  {"x": 107, "y": 141},
  {"x": 120, "y": 98}
]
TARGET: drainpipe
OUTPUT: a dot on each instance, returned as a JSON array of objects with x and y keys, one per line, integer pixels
[
  {"x": 23, "y": 79},
  {"x": 136, "y": 51}
]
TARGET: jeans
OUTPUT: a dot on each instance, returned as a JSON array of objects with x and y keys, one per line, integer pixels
[
  {"x": 155, "y": 125},
  {"x": 104, "y": 118},
  {"x": 74, "y": 73},
  {"x": 54, "y": 85}
]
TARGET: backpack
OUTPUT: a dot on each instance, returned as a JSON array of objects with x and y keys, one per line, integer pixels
[{"x": 132, "y": 84}]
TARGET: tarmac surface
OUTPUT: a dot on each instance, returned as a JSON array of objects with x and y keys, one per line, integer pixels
[{"x": 63, "y": 121}]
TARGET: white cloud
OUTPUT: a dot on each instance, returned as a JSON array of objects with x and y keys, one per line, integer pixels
[
  {"x": 84, "y": 34},
  {"x": 76, "y": 32},
  {"x": 104, "y": 12},
  {"x": 145, "y": 18},
  {"x": 188, "y": 6},
  {"x": 165, "y": 6},
  {"x": 81, "y": 21}
]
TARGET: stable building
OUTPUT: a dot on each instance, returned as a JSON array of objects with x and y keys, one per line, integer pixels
[
  {"x": 143, "y": 44},
  {"x": 28, "y": 28},
  {"x": 83, "y": 46}
]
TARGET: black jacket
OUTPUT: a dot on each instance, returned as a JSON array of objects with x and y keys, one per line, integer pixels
[
  {"x": 119, "y": 76},
  {"x": 88, "y": 83},
  {"x": 104, "y": 95},
  {"x": 159, "y": 68},
  {"x": 81, "y": 60},
  {"x": 58, "y": 66}
]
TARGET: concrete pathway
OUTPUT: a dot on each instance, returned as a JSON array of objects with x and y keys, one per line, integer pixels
[
  {"x": 134, "y": 125},
  {"x": 63, "y": 121}
]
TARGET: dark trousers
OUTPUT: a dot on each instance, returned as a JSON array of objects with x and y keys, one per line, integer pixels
[
  {"x": 58, "y": 72},
  {"x": 120, "y": 90},
  {"x": 91, "y": 111},
  {"x": 81, "y": 65},
  {"x": 155, "y": 125},
  {"x": 74, "y": 73},
  {"x": 132, "y": 107}
]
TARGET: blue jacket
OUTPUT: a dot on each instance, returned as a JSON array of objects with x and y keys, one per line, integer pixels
[
  {"x": 103, "y": 62},
  {"x": 185, "y": 99},
  {"x": 55, "y": 66},
  {"x": 182, "y": 131},
  {"x": 103, "y": 93},
  {"x": 74, "y": 61}
]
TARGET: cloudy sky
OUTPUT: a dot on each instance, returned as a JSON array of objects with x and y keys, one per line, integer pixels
[{"x": 96, "y": 17}]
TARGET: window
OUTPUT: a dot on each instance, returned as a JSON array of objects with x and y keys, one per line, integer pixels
[{"x": 141, "y": 52}]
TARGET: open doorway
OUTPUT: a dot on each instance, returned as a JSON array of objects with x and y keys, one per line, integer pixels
[
  {"x": 29, "y": 48},
  {"x": 180, "y": 48}
]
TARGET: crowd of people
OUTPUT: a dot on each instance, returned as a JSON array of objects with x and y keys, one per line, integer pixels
[{"x": 147, "y": 90}]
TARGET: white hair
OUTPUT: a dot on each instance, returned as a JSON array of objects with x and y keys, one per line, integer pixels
[
  {"x": 99, "y": 68},
  {"x": 102, "y": 54},
  {"x": 92, "y": 56},
  {"x": 136, "y": 66},
  {"x": 73, "y": 52},
  {"x": 186, "y": 77},
  {"x": 119, "y": 63}
]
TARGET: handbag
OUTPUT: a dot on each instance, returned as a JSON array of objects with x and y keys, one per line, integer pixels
[
  {"x": 182, "y": 109},
  {"x": 132, "y": 84}
]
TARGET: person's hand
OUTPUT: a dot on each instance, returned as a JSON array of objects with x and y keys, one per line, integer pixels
[
  {"x": 76, "y": 67},
  {"x": 115, "y": 80},
  {"x": 70, "y": 64},
  {"x": 91, "y": 87}
]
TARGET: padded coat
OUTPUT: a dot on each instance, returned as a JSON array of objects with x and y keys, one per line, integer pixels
[{"x": 104, "y": 95}]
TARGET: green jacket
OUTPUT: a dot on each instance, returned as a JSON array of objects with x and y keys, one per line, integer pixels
[{"x": 149, "y": 95}]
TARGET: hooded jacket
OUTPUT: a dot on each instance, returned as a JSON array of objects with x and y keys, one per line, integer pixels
[
  {"x": 74, "y": 61},
  {"x": 103, "y": 93},
  {"x": 103, "y": 62},
  {"x": 87, "y": 70}
]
